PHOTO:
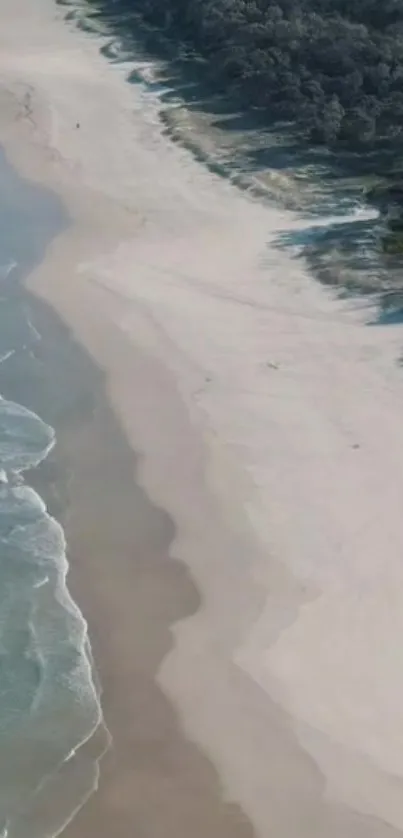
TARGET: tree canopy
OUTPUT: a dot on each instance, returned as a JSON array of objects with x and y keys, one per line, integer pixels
[{"x": 333, "y": 68}]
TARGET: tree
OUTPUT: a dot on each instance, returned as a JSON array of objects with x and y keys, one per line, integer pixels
[
  {"x": 333, "y": 114},
  {"x": 334, "y": 68}
]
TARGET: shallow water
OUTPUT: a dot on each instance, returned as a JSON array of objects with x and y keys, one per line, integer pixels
[{"x": 49, "y": 706}]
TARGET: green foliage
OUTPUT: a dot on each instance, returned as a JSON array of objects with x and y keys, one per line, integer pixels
[
  {"x": 332, "y": 67},
  {"x": 392, "y": 243}
]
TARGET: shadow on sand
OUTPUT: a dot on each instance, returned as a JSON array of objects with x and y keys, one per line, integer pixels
[{"x": 265, "y": 160}]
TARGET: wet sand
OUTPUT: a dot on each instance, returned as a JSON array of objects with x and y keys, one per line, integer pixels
[
  {"x": 153, "y": 780},
  {"x": 133, "y": 591},
  {"x": 130, "y": 587}
]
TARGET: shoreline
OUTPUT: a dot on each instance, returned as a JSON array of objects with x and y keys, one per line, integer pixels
[
  {"x": 56, "y": 773},
  {"x": 188, "y": 340},
  {"x": 109, "y": 521},
  {"x": 146, "y": 738},
  {"x": 197, "y": 799}
]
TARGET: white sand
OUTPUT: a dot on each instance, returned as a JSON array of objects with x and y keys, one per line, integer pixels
[{"x": 257, "y": 390}]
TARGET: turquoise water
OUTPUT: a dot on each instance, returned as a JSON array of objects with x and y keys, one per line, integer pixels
[{"x": 49, "y": 705}]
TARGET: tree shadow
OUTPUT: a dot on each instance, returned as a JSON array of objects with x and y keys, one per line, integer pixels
[
  {"x": 391, "y": 311},
  {"x": 183, "y": 80},
  {"x": 344, "y": 256},
  {"x": 262, "y": 157}
]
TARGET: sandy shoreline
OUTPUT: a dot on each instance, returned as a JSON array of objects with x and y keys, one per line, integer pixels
[
  {"x": 255, "y": 403},
  {"x": 152, "y": 778}
]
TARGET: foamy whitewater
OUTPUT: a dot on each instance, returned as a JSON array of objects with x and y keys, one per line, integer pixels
[
  {"x": 48, "y": 703},
  {"x": 49, "y": 706}
]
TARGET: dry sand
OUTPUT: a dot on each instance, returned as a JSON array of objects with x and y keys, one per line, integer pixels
[{"x": 268, "y": 421}]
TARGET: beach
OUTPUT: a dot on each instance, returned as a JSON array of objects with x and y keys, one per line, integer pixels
[{"x": 227, "y": 469}]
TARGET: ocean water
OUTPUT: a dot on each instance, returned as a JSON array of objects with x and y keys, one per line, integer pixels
[{"x": 50, "y": 713}]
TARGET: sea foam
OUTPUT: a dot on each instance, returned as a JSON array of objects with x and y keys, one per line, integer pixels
[{"x": 49, "y": 703}]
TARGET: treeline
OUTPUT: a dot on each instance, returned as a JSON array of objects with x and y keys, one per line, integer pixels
[{"x": 333, "y": 68}]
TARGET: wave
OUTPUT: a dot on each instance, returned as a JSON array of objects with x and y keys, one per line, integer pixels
[
  {"x": 49, "y": 700},
  {"x": 24, "y": 439}
]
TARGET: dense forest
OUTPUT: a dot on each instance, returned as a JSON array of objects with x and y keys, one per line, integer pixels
[
  {"x": 329, "y": 71},
  {"x": 333, "y": 68}
]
